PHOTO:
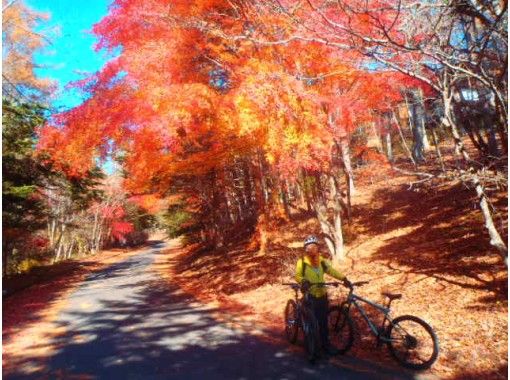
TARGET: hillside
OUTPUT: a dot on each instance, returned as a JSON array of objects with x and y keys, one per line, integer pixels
[{"x": 415, "y": 241}]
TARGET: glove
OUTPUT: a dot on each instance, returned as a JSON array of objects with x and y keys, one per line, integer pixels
[
  {"x": 305, "y": 286},
  {"x": 347, "y": 283}
]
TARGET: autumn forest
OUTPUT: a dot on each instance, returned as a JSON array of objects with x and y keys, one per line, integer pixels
[{"x": 239, "y": 127}]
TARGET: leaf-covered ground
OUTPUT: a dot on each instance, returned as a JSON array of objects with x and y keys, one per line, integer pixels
[{"x": 426, "y": 242}]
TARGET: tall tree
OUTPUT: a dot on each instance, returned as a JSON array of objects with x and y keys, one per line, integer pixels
[
  {"x": 20, "y": 41},
  {"x": 222, "y": 120}
]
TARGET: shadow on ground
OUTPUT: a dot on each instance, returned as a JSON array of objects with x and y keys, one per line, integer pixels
[
  {"x": 30, "y": 294},
  {"x": 496, "y": 373},
  {"x": 230, "y": 270},
  {"x": 447, "y": 239},
  {"x": 127, "y": 324}
]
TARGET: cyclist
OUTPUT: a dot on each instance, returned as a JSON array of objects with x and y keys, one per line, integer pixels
[{"x": 310, "y": 270}]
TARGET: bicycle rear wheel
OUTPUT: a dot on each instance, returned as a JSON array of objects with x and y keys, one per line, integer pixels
[
  {"x": 413, "y": 343},
  {"x": 341, "y": 329},
  {"x": 291, "y": 321}
]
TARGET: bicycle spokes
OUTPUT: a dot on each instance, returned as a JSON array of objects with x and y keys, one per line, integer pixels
[{"x": 413, "y": 342}]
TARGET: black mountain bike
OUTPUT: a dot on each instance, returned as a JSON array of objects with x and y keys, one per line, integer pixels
[
  {"x": 411, "y": 341},
  {"x": 299, "y": 316}
]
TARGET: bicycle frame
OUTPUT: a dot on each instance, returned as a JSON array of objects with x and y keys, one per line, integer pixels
[
  {"x": 303, "y": 311},
  {"x": 353, "y": 299}
]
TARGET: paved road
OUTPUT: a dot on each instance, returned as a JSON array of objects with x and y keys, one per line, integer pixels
[{"x": 126, "y": 323}]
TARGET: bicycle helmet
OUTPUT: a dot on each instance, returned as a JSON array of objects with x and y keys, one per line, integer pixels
[{"x": 312, "y": 239}]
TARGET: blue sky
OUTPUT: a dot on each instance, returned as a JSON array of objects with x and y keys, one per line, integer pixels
[{"x": 71, "y": 53}]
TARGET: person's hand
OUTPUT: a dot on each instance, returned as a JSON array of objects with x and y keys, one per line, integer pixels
[
  {"x": 305, "y": 285},
  {"x": 347, "y": 283}
]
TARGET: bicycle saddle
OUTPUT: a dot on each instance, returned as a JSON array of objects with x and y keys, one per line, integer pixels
[{"x": 392, "y": 296}]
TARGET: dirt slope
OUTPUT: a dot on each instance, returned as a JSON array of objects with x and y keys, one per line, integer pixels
[{"x": 424, "y": 242}]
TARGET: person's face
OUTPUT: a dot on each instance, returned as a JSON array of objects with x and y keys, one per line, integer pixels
[{"x": 312, "y": 250}]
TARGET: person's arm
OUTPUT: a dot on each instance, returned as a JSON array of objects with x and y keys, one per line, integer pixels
[
  {"x": 299, "y": 271},
  {"x": 332, "y": 271}
]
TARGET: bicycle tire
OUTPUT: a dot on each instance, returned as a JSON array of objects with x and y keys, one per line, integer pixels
[
  {"x": 411, "y": 341},
  {"x": 311, "y": 336},
  {"x": 341, "y": 329},
  {"x": 291, "y": 321}
]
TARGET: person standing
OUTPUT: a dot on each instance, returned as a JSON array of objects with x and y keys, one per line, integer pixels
[{"x": 310, "y": 270}]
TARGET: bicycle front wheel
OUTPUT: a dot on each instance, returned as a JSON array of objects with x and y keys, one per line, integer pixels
[
  {"x": 413, "y": 343},
  {"x": 311, "y": 336},
  {"x": 341, "y": 329},
  {"x": 291, "y": 321}
]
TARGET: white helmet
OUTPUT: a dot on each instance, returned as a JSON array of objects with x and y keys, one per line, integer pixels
[{"x": 312, "y": 239}]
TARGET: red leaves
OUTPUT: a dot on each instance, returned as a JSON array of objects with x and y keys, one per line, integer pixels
[
  {"x": 154, "y": 103},
  {"x": 121, "y": 229},
  {"x": 112, "y": 212}
]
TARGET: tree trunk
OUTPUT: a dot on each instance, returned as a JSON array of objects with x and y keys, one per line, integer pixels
[
  {"x": 95, "y": 226},
  {"x": 59, "y": 244},
  {"x": 346, "y": 161},
  {"x": 259, "y": 238},
  {"x": 374, "y": 139},
  {"x": 248, "y": 186},
  {"x": 326, "y": 227},
  {"x": 300, "y": 194},
  {"x": 285, "y": 198},
  {"x": 495, "y": 238},
  {"x": 402, "y": 137},
  {"x": 99, "y": 236},
  {"x": 418, "y": 132},
  {"x": 331, "y": 229},
  {"x": 421, "y": 119},
  {"x": 69, "y": 250},
  {"x": 438, "y": 151},
  {"x": 502, "y": 124},
  {"x": 493, "y": 142},
  {"x": 306, "y": 190},
  {"x": 229, "y": 206},
  {"x": 389, "y": 148},
  {"x": 219, "y": 214},
  {"x": 262, "y": 178}
]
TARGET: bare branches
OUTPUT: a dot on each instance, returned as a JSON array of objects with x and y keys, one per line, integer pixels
[{"x": 8, "y": 5}]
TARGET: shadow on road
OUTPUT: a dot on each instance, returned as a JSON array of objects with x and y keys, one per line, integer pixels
[{"x": 124, "y": 323}]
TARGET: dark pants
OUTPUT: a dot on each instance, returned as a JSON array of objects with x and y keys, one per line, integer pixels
[{"x": 320, "y": 310}]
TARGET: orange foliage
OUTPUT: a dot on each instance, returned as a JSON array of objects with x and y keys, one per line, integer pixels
[
  {"x": 158, "y": 105},
  {"x": 20, "y": 42},
  {"x": 150, "y": 203}
]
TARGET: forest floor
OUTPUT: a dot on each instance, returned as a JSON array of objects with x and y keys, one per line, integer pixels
[{"x": 426, "y": 242}]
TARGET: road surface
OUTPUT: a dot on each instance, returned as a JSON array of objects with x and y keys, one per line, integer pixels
[{"x": 127, "y": 323}]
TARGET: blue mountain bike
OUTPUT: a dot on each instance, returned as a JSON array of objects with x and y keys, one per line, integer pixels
[{"x": 411, "y": 340}]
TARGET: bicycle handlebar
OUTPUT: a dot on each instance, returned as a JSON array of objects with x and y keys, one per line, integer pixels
[
  {"x": 349, "y": 285},
  {"x": 294, "y": 286}
]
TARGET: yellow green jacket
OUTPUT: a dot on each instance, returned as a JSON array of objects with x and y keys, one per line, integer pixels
[{"x": 316, "y": 275}]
